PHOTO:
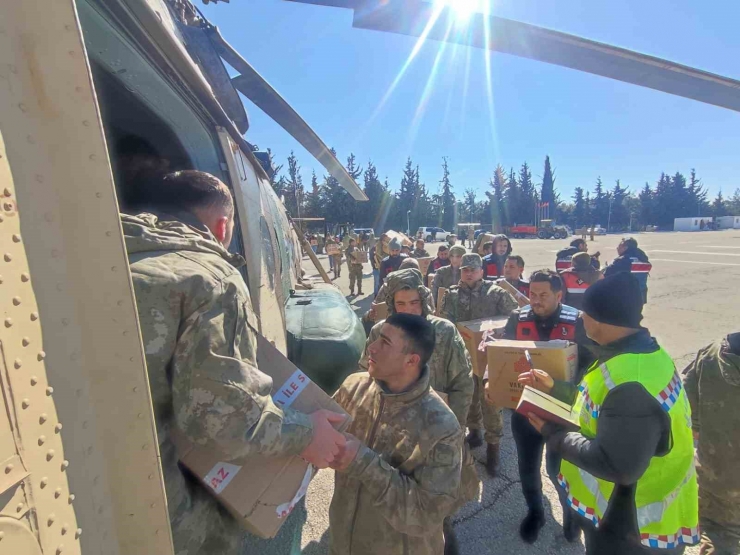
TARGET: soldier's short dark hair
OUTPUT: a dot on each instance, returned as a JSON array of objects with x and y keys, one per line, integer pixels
[
  {"x": 419, "y": 334},
  {"x": 547, "y": 276},
  {"x": 577, "y": 242},
  {"x": 189, "y": 190},
  {"x": 629, "y": 242},
  {"x": 518, "y": 259},
  {"x": 443, "y": 248},
  {"x": 488, "y": 245}
]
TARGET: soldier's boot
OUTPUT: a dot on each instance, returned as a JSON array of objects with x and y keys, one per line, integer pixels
[
  {"x": 493, "y": 456},
  {"x": 529, "y": 529},
  {"x": 451, "y": 545},
  {"x": 474, "y": 438},
  {"x": 571, "y": 529}
]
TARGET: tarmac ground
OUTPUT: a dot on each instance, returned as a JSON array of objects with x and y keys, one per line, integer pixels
[{"x": 694, "y": 293}]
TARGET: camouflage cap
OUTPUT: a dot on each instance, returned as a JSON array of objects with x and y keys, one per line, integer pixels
[
  {"x": 471, "y": 260},
  {"x": 395, "y": 244},
  {"x": 457, "y": 250},
  {"x": 410, "y": 278}
]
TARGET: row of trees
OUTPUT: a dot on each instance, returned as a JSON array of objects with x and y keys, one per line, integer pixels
[{"x": 511, "y": 197}]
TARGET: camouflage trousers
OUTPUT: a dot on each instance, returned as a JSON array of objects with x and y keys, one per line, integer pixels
[
  {"x": 485, "y": 416},
  {"x": 719, "y": 519},
  {"x": 718, "y": 540},
  {"x": 337, "y": 265},
  {"x": 355, "y": 275}
]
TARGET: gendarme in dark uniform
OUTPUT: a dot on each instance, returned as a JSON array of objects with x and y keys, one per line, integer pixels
[{"x": 548, "y": 320}]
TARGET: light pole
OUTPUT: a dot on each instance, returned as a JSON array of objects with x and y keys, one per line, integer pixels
[
  {"x": 609, "y": 218},
  {"x": 408, "y": 225}
]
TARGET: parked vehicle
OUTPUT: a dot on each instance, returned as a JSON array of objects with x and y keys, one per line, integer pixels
[
  {"x": 426, "y": 233},
  {"x": 546, "y": 230}
]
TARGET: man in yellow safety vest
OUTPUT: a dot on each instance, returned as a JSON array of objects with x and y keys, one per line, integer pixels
[{"x": 629, "y": 473}]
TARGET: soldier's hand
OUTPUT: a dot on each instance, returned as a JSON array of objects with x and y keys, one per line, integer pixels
[
  {"x": 326, "y": 442},
  {"x": 347, "y": 453},
  {"x": 538, "y": 379}
]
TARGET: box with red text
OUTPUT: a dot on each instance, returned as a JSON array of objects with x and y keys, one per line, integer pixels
[{"x": 262, "y": 491}]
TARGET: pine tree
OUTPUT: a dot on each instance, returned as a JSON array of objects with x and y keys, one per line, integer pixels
[
  {"x": 589, "y": 210},
  {"x": 335, "y": 200},
  {"x": 512, "y": 194},
  {"x": 645, "y": 215},
  {"x": 375, "y": 212},
  {"x": 314, "y": 208},
  {"x": 548, "y": 189},
  {"x": 528, "y": 195},
  {"x": 718, "y": 206},
  {"x": 294, "y": 193},
  {"x": 620, "y": 214},
  {"x": 448, "y": 199},
  {"x": 275, "y": 177},
  {"x": 469, "y": 204},
  {"x": 696, "y": 194},
  {"x": 600, "y": 204},
  {"x": 496, "y": 200},
  {"x": 579, "y": 208},
  {"x": 733, "y": 204}
]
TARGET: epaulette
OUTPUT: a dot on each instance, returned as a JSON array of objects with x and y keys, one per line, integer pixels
[{"x": 568, "y": 314}]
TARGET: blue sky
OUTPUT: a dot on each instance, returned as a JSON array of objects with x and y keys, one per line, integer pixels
[{"x": 336, "y": 77}]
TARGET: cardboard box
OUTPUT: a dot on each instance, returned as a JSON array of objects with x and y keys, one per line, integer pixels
[
  {"x": 506, "y": 361},
  {"x": 333, "y": 250},
  {"x": 472, "y": 333},
  {"x": 402, "y": 237},
  {"x": 506, "y": 286},
  {"x": 262, "y": 491},
  {"x": 381, "y": 311},
  {"x": 424, "y": 263}
]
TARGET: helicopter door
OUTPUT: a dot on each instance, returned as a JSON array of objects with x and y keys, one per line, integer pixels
[{"x": 74, "y": 377}]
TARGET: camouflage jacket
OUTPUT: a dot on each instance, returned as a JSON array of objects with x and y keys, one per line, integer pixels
[
  {"x": 450, "y": 368},
  {"x": 712, "y": 385},
  {"x": 352, "y": 254},
  {"x": 198, "y": 331},
  {"x": 446, "y": 277},
  {"x": 393, "y": 497},
  {"x": 462, "y": 303},
  {"x": 419, "y": 253}
]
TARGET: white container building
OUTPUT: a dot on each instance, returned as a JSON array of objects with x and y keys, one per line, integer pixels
[
  {"x": 728, "y": 222},
  {"x": 697, "y": 223}
]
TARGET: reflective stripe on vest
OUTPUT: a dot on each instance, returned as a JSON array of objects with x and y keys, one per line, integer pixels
[
  {"x": 562, "y": 264},
  {"x": 526, "y": 329},
  {"x": 492, "y": 270},
  {"x": 675, "y": 511},
  {"x": 574, "y": 284},
  {"x": 640, "y": 267}
]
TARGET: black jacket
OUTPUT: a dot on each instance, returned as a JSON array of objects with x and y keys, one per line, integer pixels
[
  {"x": 633, "y": 429},
  {"x": 623, "y": 263},
  {"x": 390, "y": 264},
  {"x": 544, "y": 328}
]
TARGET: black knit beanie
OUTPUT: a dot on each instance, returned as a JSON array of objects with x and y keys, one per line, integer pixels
[{"x": 616, "y": 300}]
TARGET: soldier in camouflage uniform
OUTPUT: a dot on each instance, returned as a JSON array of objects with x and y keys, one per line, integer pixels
[
  {"x": 472, "y": 299},
  {"x": 450, "y": 369},
  {"x": 447, "y": 276},
  {"x": 450, "y": 366},
  {"x": 420, "y": 251},
  {"x": 355, "y": 267},
  {"x": 712, "y": 385},
  {"x": 399, "y": 476},
  {"x": 199, "y": 337}
]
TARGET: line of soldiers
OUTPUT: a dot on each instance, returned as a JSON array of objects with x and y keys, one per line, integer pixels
[{"x": 403, "y": 467}]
